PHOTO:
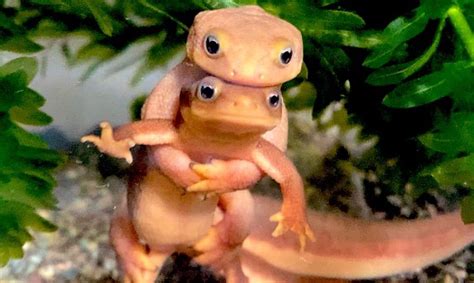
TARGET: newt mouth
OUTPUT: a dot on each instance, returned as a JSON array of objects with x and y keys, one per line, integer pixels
[{"x": 242, "y": 122}]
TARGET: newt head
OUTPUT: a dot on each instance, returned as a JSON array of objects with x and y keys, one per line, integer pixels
[
  {"x": 213, "y": 106},
  {"x": 245, "y": 46}
]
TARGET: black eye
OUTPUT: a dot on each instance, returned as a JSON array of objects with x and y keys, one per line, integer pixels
[
  {"x": 274, "y": 99},
  {"x": 206, "y": 92},
  {"x": 285, "y": 56},
  {"x": 212, "y": 45}
]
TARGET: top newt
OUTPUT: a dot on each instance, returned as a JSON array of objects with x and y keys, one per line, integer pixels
[{"x": 245, "y": 46}]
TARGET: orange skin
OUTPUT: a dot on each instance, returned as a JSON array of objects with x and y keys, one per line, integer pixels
[
  {"x": 239, "y": 59},
  {"x": 229, "y": 127}
]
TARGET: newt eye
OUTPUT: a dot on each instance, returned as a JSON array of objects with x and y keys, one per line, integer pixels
[
  {"x": 206, "y": 92},
  {"x": 274, "y": 99},
  {"x": 285, "y": 56},
  {"x": 212, "y": 45}
]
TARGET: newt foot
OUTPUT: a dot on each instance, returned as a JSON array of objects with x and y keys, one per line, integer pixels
[
  {"x": 300, "y": 227},
  {"x": 215, "y": 252},
  {"x": 140, "y": 265},
  {"x": 107, "y": 144},
  {"x": 213, "y": 175}
]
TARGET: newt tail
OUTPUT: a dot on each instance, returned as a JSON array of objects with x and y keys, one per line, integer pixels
[{"x": 350, "y": 248}]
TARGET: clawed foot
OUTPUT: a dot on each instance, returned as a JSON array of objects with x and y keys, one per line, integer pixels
[
  {"x": 213, "y": 177},
  {"x": 214, "y": 251},
  {"x": 142, "y": 267},
  {"x": 134, "y": 274},
  {"x": 107, "y": 144},
  {"x": 300, "y": 227}
]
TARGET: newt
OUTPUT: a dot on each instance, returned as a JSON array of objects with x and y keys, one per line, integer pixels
[
  {"x": 217, "y": 122},
  {"x": 350, "y": 248}
]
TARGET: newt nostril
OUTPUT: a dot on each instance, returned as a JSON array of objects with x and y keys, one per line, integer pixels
[{"x": 233, "y": 73}]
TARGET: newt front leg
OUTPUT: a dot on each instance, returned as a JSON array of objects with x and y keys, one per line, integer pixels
[
  {"x": 292, "y": 215},
  {"x": 146, "y": 132},
  {"x": 107, "y": 144}
]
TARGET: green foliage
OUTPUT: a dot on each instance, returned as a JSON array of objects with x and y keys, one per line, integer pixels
[
  {"x": 26, "y": 164},
  {"x": 14, "y": 37},
  {"x": 428, "y": 88},
  {"x": 429, "y": 77},
  {"x": 395, "y": 34}
]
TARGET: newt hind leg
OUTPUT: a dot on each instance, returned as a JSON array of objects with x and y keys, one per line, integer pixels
[{"x": 138, "y": 263}]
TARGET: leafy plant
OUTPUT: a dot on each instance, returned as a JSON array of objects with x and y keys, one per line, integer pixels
[
  {"x": 427, "y": 78},
  {"x": 26, "y": 164}
]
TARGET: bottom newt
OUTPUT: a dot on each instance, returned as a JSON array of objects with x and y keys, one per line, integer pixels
[{"x": 350, "y": 248}]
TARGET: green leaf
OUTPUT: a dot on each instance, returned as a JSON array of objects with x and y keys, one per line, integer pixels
[
  {"x": 218, "y": 4},
  {"x": 15, "y": 218},
  {"x": 10, "y": 247},
  {"x": 9, "y": 25},
  {"x": 436, "y": 8},
  {"x": 157, "y": 56},
  {"x": 24, "y": 215},
  {"x": 94, "y": 51},
  {"x": 397, "y": 73},
  {"x": 11, "y": 88},
  {"x": 363, "y": 39},
  {"x": 311, "y": 19},
  {"x": 48, "y": 28},
  {"x": 30, "y": 116},
  {"x": 467, "y": 209},
  {"x": 25, "y": 64},
  {"x": 19, "y": 44},
  {"x": 457, "y": 135},
  {"x": 47, "y": 155},
  {"x": 397, "y": 32},
  {"x": 41, "y": 174},
  {"x": 431, "y": 87},
  {"x": 50, "y": 2},
  {"x": 323, "y": 3},
  {"x": 103, "y": 19},
  {"x": 24, "y": 16},
  {"x": 8, "y": 149},
  {"x": 459, "y": 171},
  {"x": 28, "y": 190},
  {"x": 158, "y": 10},
  {"x": 26, "y": 138},
  {"x": 463, "y": 100},
  {"x": 334, "y": 27}
]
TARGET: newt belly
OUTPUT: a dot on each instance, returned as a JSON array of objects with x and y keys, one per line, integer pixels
[{"x": 161, "y": 212}]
